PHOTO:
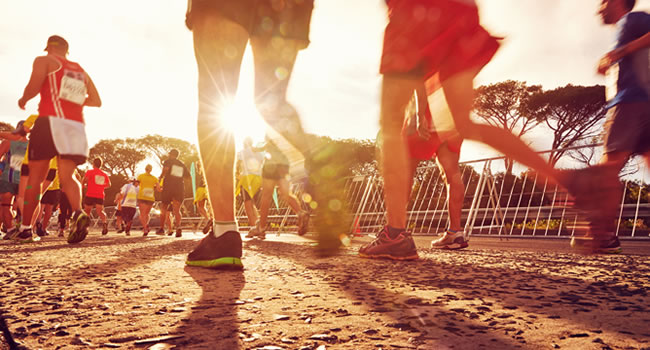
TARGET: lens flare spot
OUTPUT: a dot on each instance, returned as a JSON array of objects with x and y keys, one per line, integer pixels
[
  {"x": 313, "y": 204},
  {"x": 335, "y": 205},
  {"x": 306, "y": 197},
  {"x": 345, "y": 240},
  {"x": 281, "y": 73}
]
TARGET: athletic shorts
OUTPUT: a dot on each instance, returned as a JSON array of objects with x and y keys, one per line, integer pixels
[
  {"x": 428, "y": 37},
  {"x": 8, "y": 187},
  {"x": 128, "y": 213},
  {"x": 245, "y": 196},
  {"x": 24, "y": 171},
  {"x": 172, "y": 194},
  {"x": 51, "y": 197},
  {"x": 275, "y": 171},
  {"x": 92, "y": 201},
  {"x": 421, "y": 149},
  {"x": 118, "y": 213},
  {"x": 53, "y": 136},
  {"x": 261, "y": 18},
  {"x": 627, "y": 128}
]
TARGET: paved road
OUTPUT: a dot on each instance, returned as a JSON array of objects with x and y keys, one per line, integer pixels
[{"x": 135, "y": 292}]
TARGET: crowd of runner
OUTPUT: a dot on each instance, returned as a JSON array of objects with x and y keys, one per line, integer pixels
[{"x": 430, "y": 46}]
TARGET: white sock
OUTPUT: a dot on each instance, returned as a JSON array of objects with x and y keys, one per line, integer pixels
[
  {"x": 25, "y": 227},
  {"x": 221, "y": 227}
]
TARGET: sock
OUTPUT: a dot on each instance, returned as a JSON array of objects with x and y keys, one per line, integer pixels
[
  {"x": 25, "y": 227},
  {"x": 221, "y": 227},
  {"x": 452, "y": 231},
  {"x": 394, "y": 232}
]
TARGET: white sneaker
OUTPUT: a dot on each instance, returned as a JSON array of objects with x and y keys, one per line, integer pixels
[{"x": 450, "y": 240}]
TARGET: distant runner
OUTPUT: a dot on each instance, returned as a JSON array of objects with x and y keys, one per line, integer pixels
[
  {"x": 96, "y": 182},
  {"x": 65, "y": 89}
]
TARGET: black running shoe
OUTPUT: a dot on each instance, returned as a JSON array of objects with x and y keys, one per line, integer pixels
[
  {"x": 78, "y": 227},
  {"x": 10, "y": 234},
  {"x": 39, "y": 230},
  {"x": 303, "y": 223},
  {"x": 383, "y": 247},
  {"x": 145, "y": 232},
  {"x": 207, "y": 227},
  {"x": 105, "y": 229},
  {"x": 224, "y": 251},
  {"x": 179, "y": 232},
  {"x": 596, "y": 245},
  {"x": 25, "y": 236}
]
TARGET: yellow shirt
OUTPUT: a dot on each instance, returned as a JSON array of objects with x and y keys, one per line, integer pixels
[
  {"x": 55, "y": 185},
  {"x": 29, "y": 123},
  {"x": 147, "y": 185}
]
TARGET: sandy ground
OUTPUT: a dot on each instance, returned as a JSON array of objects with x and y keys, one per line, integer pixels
[{"x": 135, "y": 292}]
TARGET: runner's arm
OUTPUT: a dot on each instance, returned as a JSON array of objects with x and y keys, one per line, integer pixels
[
  {"x": 613, "y": 56},
  {"x": 93, "y": 99},
  {"x": 39, "y": 74},
  {"x": 108, "y": 182},
  {"x": 9, "y": 136}
]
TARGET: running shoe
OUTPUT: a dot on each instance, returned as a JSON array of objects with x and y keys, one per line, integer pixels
[
  {"x": 256, "y": 232},
  {"x": 590, "y": 244},
  {"x": 224, "y": 251},
  {"x": 79, "y": 227},
  {"x": 40, "y": 231},
  {"x": 145, "y": 232},
  {"x": 60, "y": 233},
  {"x": 207, "y": 227},
  {"x": 10, "y": 234},
  {"x": 401, "y": 247},
  {"x": 127, "y": 229},
  {"x": 179, "y": 233},
  {"x": 327, "y": 168},
  {"x": 105, "y": 229},
  {"x": 160, "y": 232},
  {"x": 121, "y": 229},
  {"x": 450, "y": 240},
  {"x": 25, "y": 236},
  {"x": 303, "y": 223}
]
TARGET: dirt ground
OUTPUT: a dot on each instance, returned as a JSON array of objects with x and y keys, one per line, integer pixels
[{"x": 135, "y": 292}]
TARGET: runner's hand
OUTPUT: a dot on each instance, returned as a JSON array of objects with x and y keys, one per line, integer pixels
[
  {"x": 21, "y": 103},
  {"x": 609, "y": 59}
]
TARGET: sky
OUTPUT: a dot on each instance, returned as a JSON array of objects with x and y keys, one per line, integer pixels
[{"x": 140, "y": 56}]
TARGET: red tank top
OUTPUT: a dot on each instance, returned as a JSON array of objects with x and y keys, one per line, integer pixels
[{"x": 64, "y": 92}]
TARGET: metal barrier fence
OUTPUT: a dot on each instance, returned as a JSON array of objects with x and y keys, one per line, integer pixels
[{"x": 494, "y": 204}]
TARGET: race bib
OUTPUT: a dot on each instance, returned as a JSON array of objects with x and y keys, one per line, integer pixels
[
  {"x": 16, "y": 163},
  {"x": 100, "y": 180},
  {"x": 611, "y": 82},
  {"x": 131, "y": 195},
  {"x": 147, "y": 192},
  {"x": 177, "y": 171},
  {"x": 73, "y": 87}
]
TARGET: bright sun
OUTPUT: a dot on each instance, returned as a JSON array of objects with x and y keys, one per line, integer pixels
[{"x": 244, "y": 119}]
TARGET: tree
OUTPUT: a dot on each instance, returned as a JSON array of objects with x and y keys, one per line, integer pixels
[
  {"x": 160, "y": 146},
  {"x": 505, "y": 105},
  {"x": 6, "y": 127},
  {"x": 572, "y": 112},
  {"x": 120, "y": 156}
]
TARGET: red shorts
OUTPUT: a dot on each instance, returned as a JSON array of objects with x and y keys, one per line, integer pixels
[
  {"x": 426, "y": 37},
  {"x": 421, "y": 149}
]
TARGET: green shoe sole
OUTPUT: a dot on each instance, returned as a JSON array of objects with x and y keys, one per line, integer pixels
[{"x": 234, "y": 263}]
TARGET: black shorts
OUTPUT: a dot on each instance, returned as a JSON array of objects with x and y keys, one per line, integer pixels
[
  {"x": 275, "y": 171},
  {"x": 627, "y": 128},
  {"x": 260, "y": 17},
  {"x": 128, "y": 213},
  {"x": 24, "y": 171},
  {"x": 172, "y": 194},
  {"x": 51, "y": 197},
  {"x": 92, "y": 201},
  {"x": 41, "y": 143}
]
